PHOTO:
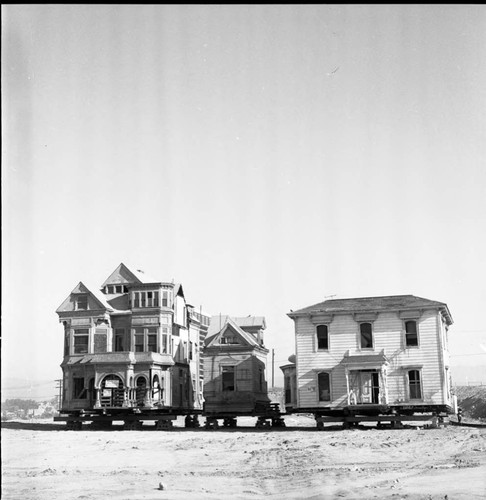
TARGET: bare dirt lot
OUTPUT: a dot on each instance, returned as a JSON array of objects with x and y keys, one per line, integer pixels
[{"x": 42, "y": 461}]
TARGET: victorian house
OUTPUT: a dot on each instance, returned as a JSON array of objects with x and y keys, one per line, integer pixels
[
  {"x": 234, "y": 365},
  {"x": 135, "y": 342}
]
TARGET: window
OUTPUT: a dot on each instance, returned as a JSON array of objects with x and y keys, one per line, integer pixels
[
  {"x": 414, "y": 384},
  {"x": 81, "y": 339},
  {"x": 228, "y": 377},
  {"x": 139, "y": 338},
  {"x": 119, "y": 339},
  {"x": 324, "y": 383},
  {"x": 165, "y": 299},
  {"x": 411, "y": 335},
  {"x": 164, "y": 343},
  {"x": 152, "y": 340},
  {"x": 146, "y": 299},
  {"x": 322, "y": 337},
  {"x": 191, "y": 347},
  {"x": 81, "y": 302},
  {"x": 366, "y": 336},
  {"x": 79, "y": 392}
]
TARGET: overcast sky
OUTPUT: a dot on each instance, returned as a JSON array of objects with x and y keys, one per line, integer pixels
[{"x": 265, "y": 156}]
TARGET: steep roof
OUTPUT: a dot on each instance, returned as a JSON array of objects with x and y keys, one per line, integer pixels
[
  {"x": 372, "y": 304},
  {"x": 217, "y": 322},
  {"x": 81, "y": 288},
  {"x": 121, "y": 275},
  {"x": 248, "y": 338}
]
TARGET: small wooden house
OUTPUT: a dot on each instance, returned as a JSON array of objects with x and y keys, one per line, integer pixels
[
  {"x": 134, "y": 343},
  {"x": 234, "y": 365},
  {"x": 387, "y": 351}
]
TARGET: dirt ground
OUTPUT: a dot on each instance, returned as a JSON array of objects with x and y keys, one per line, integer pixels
[{"x": 42, "y": 461}]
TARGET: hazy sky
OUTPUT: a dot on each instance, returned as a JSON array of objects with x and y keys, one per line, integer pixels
[{"x": 265, "y": 156}]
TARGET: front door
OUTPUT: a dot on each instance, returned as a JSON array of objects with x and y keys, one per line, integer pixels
[{"x": 366, "y": 388}]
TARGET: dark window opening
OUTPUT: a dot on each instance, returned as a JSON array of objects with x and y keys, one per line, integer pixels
[
  {"x": 411, "y": 336},
  {"x": 138, "y": 342},
  {"x": 366, "y": 336},
  {"x": 228, "y": 377},
  {"x": 82, "y": 303},
  {"x": 152, "y": 343},
  {"x": 81, "y": 339},
  {"x": 322, "y": 337},
  {"x": 324, "y": 383},
  {"x": 79, "y": 392}
]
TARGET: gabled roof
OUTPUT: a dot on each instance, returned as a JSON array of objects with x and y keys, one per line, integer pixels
[
  {"x": 121, "y": 276},
  {"x": 372, "y": 304},
  {"x": 81, "y": 288},
  {"x": 245, "y": 337},
  {"x": 218, "y": 322},
  {"x": 250, "y": 321}
]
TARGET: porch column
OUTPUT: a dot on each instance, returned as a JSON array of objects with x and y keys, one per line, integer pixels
[
  {"x": 98, "y": 398},
  {"x": 347, "y": 385},
  {"x": 384, "y": 384}
]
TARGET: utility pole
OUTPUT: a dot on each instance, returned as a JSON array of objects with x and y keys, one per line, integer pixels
[
  {"x": 273, "y": 368},
  {"x": 59, "y": 396}
]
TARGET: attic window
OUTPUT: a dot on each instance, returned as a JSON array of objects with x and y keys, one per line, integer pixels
[
  {"x": 81, "y": 302},
  {"x": 228, "y": 339}
]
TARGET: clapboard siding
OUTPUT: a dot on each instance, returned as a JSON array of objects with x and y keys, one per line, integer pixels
[{"x": 388, "y": 336}]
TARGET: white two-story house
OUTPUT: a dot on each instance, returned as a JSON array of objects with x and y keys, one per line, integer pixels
[{"x": 387, "y": 351}]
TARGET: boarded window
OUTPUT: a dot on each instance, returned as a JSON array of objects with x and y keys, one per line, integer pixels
[
  {"x": 366, "y": 336},
  {"x": 322, "y": 337},
  {"x": 411, "y": 336},
  {"x": 414, "y": 384},
  {"x": 228, "y": 378},
  {"x": 324, "y": 381},
  {"x": 79, "y": 392},
  {"x": 100, "y": 341},
  {"x": 81, "y": 339}
]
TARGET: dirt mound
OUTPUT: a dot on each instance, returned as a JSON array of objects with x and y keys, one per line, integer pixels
[{"x": 472, "y": 400}]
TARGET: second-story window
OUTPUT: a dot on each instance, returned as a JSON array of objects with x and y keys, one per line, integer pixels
[
  {"x": 366, "y": 336},
  {"x": 146, "y": 299},
  {"x": 119, "y": 339},
  {"x": 152, "y": 339},
  {"x": 411, "y": 334},
  {"x": 139, "y": 338},
  {"x": 81, "y": 340},
  {"x": 322, "y": 337}
]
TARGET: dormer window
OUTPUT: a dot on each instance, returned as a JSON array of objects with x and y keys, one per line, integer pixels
[{"x": 81, "y": 303}]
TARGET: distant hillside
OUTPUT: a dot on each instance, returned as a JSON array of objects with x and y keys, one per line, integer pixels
[
  {"x": 472, "y": 400},
  {"x": 39, "y": 390}
]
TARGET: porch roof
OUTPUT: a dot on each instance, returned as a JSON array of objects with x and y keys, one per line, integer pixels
[{"x": 365, "y": 361}]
